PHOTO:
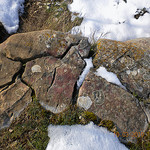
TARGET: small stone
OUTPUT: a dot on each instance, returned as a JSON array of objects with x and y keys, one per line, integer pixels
[
  {"x": 36, "y": 68},
  {"x": 10, "y": 130},
  {"x": 84, "y": 102}
]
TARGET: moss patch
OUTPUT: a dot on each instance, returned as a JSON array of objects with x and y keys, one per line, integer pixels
[{"x": 29, "y": 131}]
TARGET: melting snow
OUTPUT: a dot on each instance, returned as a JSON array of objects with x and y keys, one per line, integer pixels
[
  {"x": 89, "y": 65},
  {"x": 9, "y": 14},
  {"x": 113, "y": 19},
  {"x": 82, "y": 137},
  {"x": 109, "y": 76}
]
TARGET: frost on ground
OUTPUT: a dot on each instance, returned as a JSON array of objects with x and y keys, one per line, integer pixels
[
  {"x": 9, "y": 14},
  {"x": 89, "y": 65},
  {"x": 109, "y": 76},
  {"x": 113, "y": 19},
  {"x": 82, "y": 137}
]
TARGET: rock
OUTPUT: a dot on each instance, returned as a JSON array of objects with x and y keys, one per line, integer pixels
[
  {"x": 129, "y": 60},
  {"x": 12, "y": 101},
  {"x": 54, "y": 80},
  {"x": 111, "y": 102},
  {"x": 26, "y": 46},
  {"x": 8, "y": 69},
  {"x": 48, "y": 62}
]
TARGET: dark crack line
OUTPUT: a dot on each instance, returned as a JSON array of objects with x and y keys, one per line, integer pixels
[
  {"x": 67, "y": 50},
  {"x": 75, "y": 94},
  {"x": 17, "y": 74},
  {"x": 53, "y": 79},
  {"x": 119, "y": 58},
  {"x": 138, "y": 98},
  {"x": 29, "y": 59}
]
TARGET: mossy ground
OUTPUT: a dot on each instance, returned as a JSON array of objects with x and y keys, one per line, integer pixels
[{"x": 29, "y": 130}]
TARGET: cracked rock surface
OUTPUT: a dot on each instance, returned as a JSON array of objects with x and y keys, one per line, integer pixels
[
  {"x": 129, "y": 60},
  {"x": 12, "y": 101},
  {"x": 47, "y": 63},
  {"x": 110, "y": 102}
]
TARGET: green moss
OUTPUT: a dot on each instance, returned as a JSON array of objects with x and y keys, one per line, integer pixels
[
  {"x": 87, "y": 116},
  {"x": 68, "y": 117},
  {"x": 108, "y": 124},
  {"x": 29, "y": 131}
]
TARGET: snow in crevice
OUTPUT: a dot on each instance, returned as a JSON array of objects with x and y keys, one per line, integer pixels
[
  {"x": 82, "y": 137},
  {"x": 89, "y": 65},
  {"x": 109, "y": 76}
]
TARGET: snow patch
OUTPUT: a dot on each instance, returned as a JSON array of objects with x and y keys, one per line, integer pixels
[
  {"x": 9, "y": 14},
  {"x": 82, "y": 137},
  {"x": 112, "y": 19},
  {"x": 109, "y": 76},
  {"x": 89, "y": 65}
]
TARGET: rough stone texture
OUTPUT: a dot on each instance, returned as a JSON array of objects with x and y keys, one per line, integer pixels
[
  {"x": 12, "y": 101},
  {"x": 54, "y": 80},
  {"x": 129, "y": 60},
  {"x": 113, "y": 103},
  {"x": 52, "y": 64},
  {"x": 6, "y": 74},
  {"x": 28, "y": 45}
]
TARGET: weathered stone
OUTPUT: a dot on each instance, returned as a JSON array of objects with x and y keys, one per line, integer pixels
[
  {"x": 129, "y": 60},
  {"x": 54, "y": 80},
  {"x": 28, "y": 45},
  {"x": 12, "y": 101},
  {"x": 111, "y": 102},
  {"x": 8, "y": 69}
]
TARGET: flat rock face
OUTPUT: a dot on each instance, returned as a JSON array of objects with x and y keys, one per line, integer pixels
[
  {"x": 111, "y": 102},
  {"x": 129, "y": 60},
  {"x": 12, "y": 101},
  {"x": 53, "y": 80},
  {"x": 28, "y": 45},
  {"x": 8, "y": 68}
]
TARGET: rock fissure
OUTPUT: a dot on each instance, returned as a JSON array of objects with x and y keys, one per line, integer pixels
[
  {"x": 5, "y": 86},
  {"x": 29, "y": 59},
  {"x": 53, "y": 79},
  {"x": 67, "y": 50}
]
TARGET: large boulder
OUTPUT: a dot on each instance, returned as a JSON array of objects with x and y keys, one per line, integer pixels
[
  {"x": 111, "y": 102},
  {"x": 129, "y": 60},
  {"x": 27, "y": 46},
  {"x": 53, "y": 81}
]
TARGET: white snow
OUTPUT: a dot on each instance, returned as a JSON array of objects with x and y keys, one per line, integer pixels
[
  {"x": 82, "y": 137},
  {"x": 112, "y": 19},
  {"x": 89, "y": 65},
  {"x": 109, "y": 76},
  {"x": 9, "y": 14}
]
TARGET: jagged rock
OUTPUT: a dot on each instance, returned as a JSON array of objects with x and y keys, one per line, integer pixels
[
  {"x": 12, "y": 101},
  {"x": 28, "y": 45},
  {"x": 111, "y": 102},
  {"x": 129, "y": 60},
  {"x": 8, "y": 69}
]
